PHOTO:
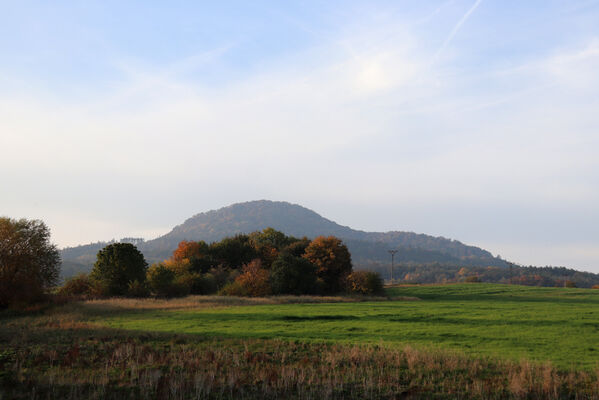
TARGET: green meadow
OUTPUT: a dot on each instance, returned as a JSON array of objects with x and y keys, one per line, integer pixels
[{"x": 501, "y": 321}]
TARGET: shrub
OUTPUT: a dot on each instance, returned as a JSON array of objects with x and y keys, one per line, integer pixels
[
  {"x": 570, "y": 284},
  {"x": 234, "y": 288},
  {"x": 473, "y": 279},
  {"x": 365, "y": 282},
  {"x": 80, "y": 286},
  {"x": 293, "y": 275},
  {"x": 595, "y": 287}
]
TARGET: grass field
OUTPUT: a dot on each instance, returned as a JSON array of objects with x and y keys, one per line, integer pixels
[
  {"x": 444, "y": 341},
  {"x": 554, "y": 324}
]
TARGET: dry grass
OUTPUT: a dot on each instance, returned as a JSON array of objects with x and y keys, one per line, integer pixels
[
  {"x": 181, "y": 368},
  {"x": 200, "y": 302}
]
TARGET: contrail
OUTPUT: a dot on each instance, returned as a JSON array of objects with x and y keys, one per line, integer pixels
[{"x": 457, "y": 27}]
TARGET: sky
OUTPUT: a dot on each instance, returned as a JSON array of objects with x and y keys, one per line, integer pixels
[{"x": 476, "y": 120}]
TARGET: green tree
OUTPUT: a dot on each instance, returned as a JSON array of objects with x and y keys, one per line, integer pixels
[
  {"x": 297, "y": 247},
  {"x": 118, "y": 265},
  {"x": 233, "y": 252},
  {"x": 332, "y": 260},
  {"x": 161, "y": 280},
  {"x": 293, "y": 275},
  {"x": 29, "y": 263}
]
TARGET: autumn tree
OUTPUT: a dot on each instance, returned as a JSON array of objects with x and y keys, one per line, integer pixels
[
  {"x": 332, "y": 260},
  {"x": 29, "y": 263},
  {"x": 253, "y": 281},
  {"x": 365, "y": 282},
  {"x": 191, "y": 256},
  {"x": 118, "y": 265},
  {"x": 268, "y": 243}
]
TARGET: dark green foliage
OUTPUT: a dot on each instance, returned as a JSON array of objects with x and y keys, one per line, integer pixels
[
  {"x": 138, "y": 289},
  {"x": 298, "y": 246},
  {"x": 293, "y": 275},
  {"x": 233, "y": 252},
  {"x": 270, "y": 237},
  {"x": 117, "y": 266},
  {"x": 160, "y": 280},
  {"x": 29, "y": 263}
]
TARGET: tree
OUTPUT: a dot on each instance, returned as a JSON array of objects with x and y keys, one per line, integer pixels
[
  {"x": 297, "y": 247},
  {"x": 292, "y": 275},
  {"x": 365, "y": 282},
  {"x": 118, "y": 265},
  {"x": 233, "y": 252},
  {"x": 332, "y": 260},
  {"x": 190, "y": 256},
  {"x": 254, "y": 279},
  {"x": 160, "y": 280},
  {"x": 29, "y": 263}
]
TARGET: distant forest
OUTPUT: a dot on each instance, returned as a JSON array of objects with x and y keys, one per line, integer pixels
[
  {"x": 518, "y": 275},
  {"x": 412, "y": 265}
]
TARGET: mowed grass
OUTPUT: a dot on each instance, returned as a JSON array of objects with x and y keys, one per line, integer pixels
[{"x": 500, "y": 321}]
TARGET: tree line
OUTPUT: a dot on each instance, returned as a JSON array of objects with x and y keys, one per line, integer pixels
[{"x": 262, "y": 263}]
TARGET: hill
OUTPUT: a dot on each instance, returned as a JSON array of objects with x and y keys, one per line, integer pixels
[
  {"x": 366, "y": 247},
  {"x": 420, "y": 258}
]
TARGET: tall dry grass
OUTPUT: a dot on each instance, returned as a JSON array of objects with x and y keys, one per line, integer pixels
[{"x": 181, "y": 368}]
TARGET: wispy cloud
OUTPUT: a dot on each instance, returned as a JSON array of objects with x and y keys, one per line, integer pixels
[{"x": 456, "y": 29}]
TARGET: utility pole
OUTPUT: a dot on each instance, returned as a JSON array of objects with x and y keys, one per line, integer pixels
[{"x": 392, "y": 252}]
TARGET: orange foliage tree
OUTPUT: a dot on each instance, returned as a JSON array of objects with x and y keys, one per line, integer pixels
[
  {"x": 332, "y": 260},
  {"x": 254, "y": 279}
]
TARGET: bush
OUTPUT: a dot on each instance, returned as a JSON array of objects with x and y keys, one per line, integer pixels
[
  {"x": 234, "y": 288},
  {"x": 595, "y": 287},
  {"x": 473, "y": 279},
  {"x": 365, "y": 282},
  {"x": 293, "y": 275},
  {"x": 80, "y": 286},
  {"x": 570, "y": 284}
]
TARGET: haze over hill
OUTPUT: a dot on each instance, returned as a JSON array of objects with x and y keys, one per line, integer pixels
[{"x": 292, "y": 219}]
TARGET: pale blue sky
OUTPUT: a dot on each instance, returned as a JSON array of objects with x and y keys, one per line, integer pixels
[{"x": 474, "y": 120}]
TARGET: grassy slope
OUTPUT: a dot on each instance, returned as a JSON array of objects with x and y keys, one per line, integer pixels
[{"x": 560, "y": 325}]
